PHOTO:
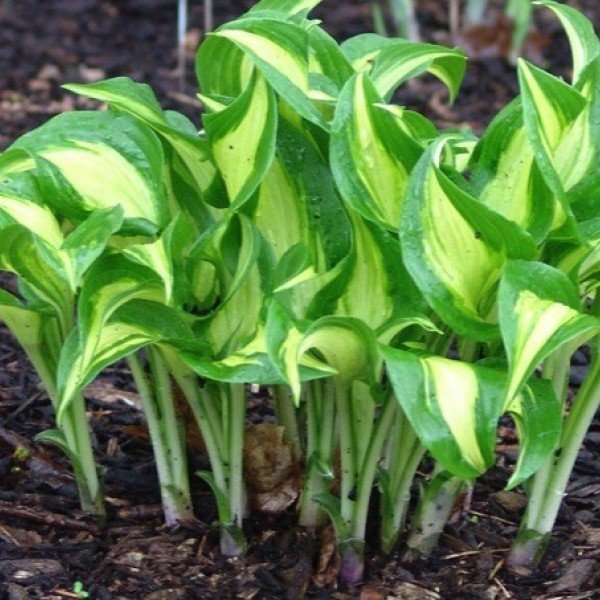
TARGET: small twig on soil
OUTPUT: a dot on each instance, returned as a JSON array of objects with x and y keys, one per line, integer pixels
[
  {"x": 66, "y": 593},
  {"x": 496, "y": 568},
  {"x": 472, "y": 553},
  {"x": 23, "y": 406},
  {"x": 43, "y": 516},
  {"x": 502, "y": 588},
  {"x": 492, "y": 517}
]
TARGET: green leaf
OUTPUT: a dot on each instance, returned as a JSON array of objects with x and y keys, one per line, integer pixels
[
  {"x": 585, "y": 45},
  {"x": 391, "y": 62},
  {"x": 161, "y": 255},
  {"x": 371, "y": 156},
  {"x": 132, "y": 325},
  {"x": 375, "y": 263},
  {"x": 27, "y": 325},
  {"x": 87, "y": 242},
  {"x": 326, "y": 59},
  {"x": 539, "y": 311},
  {"x": 538, "y": 414},
  {"x": 231, "y": 252},
  {"x": 90, "y": 160},
  {"x": 506, "y": 178},
  {"x": 346, "y": 344},
  {"x": 556, "y": 122},
  {"x": 250, "y": 363},
  {"x": 454, "y": 247},
  {"x": 242, "y": 137},
  {"x": 14, "y": 161},
  {"x": 138, "y": 100},
  {"x": 37, "y": 265},
  {"x": 220, "y": 496},
  {"x": 453, "y": 407},
  {"x": 36, "y": 217},
  {"x": 287, "y": 7},
  {"x": 278, "y": 49},
  {"x": 333, "y": 508},
  {"x": 57, "y": 438}
]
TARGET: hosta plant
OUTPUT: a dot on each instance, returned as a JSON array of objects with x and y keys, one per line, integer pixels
[{"x": 395, "y": 287}]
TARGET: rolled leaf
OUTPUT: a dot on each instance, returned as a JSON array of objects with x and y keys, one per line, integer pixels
[
  {"x": 242, "y": 137},
  {"x": 371, "y": 156},
  {"x": 454, "y": 247}
]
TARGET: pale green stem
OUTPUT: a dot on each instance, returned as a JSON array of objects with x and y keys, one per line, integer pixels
[
  {"x": 435, "y": 507},
  {"x": 77, "y": 435},
  {"x": 394, "y": 524},
  {"x": 75, "y": 426},
  {"x": 166, "y": 439},
  {"x": 369, "y": 467},
  {"x": 171, "y": 428},
  {"x": 285, "y": 410},
  {"x": 343, "y": 397},
  {"x": 556, "y": 369},
  {"x": 236, "y": 453},
  {"x": 576, "y": 426},
  {"x": 320, "y": 408},
  {"x": 198, "y": 400}
]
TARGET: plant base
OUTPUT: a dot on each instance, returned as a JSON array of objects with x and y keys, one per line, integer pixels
[
  {"x": 233, "y": 542},
  {"x": 527, "y": 550},
  {"x": 352, "y": 566}
]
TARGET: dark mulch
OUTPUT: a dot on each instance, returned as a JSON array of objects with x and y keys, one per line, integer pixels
[{"x": 45, "y": 547}]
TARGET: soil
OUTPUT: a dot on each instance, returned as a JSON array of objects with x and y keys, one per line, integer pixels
[{"x": 46, "y": 547}]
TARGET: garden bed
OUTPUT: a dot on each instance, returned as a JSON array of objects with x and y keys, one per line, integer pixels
[{"x": 45, "y": 547}]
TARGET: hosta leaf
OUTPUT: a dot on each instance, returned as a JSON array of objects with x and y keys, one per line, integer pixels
[
  {"x": 538, "y": 414},
  {"x": 539, "y": 311},
  {"x": 138, "y": 100},
  {"x": 454, "y": 247},
  {"x": 287, "y": 7},
  {"x": 454, "y": 408},
  {"x": 161, "y": 255},
  {"x": 391, "y": 62},
  {"x": 98, "y": 160},
  {"x": 327, "y": 60},
  {"x": 347, "y": 345},
  {"x": 231, "y": 253},
  {"x": 231, "y": 248},
  {"x": 37, "y": 265},
  {"x": 506, "y": 178},
  {"x": 129, "y": 328},
  {"x": 585, "y": 45},
  {"x": 299, "y": 191},
  {"x": 36, "y": 217},
  {"x": 396, "y": 64},
  {"x": 87, "y": 242},
  {"x": 111, "y": 282},
  {"x": 14, "y": 161},
  {"x": 25, "y": 324},
  {"x": 371, "y": 156},
  {"x": 242, "y": 137},
  {"x": 278, "y": 49},
  {"x": 303, "y": 195},
  {"x": 556, "y": 123},
  {"x": 375, "y": 263},
  {"x": 249, "y": 363},
  {"x": 283, "y": 199},
  {"x": 294, "y": 268}
]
